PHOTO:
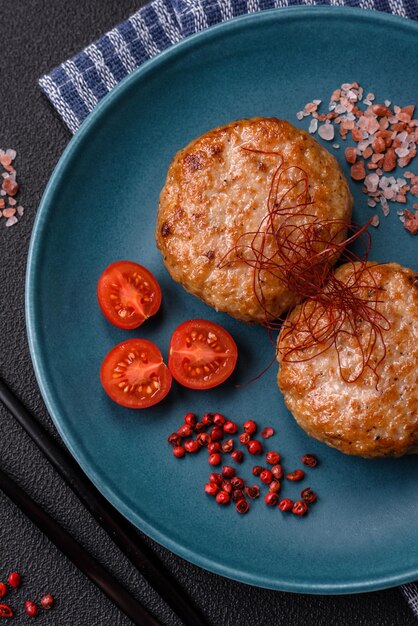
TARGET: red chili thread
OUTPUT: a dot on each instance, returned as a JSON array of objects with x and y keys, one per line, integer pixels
[{"x": 299, "y": 249}]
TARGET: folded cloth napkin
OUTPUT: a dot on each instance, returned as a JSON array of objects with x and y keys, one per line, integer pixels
[{"x": 77, "y": 85}]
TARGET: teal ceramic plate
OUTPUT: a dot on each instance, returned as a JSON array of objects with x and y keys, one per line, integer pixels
[{"x": 100, "y": 205}]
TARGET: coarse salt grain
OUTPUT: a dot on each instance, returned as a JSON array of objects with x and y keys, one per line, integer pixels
[
  {"x": 11, "y": 221},
  {"x": 385, "y": 206},
  {"x": 9, "y": 188},
  {"x": 385, "y": 138},
  {"x": 326, "y": 132},
  {"x": 313, "y": 126}
]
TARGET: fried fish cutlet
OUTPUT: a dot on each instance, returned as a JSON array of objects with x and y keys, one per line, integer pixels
[
  {"x": 367, "y": 416},
  {"x": 216, "y": 194}
]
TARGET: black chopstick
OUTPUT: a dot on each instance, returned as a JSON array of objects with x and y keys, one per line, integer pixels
[
  {"x": 118, "y": 528},
  {"x": 77, "y": 554}
]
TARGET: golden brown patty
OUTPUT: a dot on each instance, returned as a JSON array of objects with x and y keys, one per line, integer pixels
[
  {"x": 217, "y": 191},
  {"x": 358, "y": 417}
]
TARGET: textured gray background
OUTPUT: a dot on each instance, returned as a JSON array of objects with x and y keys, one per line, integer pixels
[{"x": 35, "y": 35}]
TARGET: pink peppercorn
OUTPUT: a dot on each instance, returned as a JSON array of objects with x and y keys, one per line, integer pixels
[{"x": 254, "y": 447}]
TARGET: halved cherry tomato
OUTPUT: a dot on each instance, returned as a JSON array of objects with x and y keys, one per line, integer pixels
[
  {"x": 133, "y": 374},
  {"x": 202, "y": 354},
  {"x": 128, "y": 294}
]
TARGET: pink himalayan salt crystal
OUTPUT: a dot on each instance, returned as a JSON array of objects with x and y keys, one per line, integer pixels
[{"x": 326, "y": 132}]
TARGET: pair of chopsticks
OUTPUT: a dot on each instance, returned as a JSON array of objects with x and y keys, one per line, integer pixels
[{"x": 123, "y": 534}]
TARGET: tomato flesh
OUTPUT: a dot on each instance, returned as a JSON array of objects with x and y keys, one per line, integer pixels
[
  {"x": 128, "y": 294},
  {"x": 134, "y": 375},
  {"x": 202, "y": 354}
]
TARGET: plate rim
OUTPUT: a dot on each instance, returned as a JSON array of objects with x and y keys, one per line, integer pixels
[{"x": 35, "y": 253}]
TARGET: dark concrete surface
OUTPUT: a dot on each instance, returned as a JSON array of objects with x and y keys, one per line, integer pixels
[{"x": 35, "y": 35}]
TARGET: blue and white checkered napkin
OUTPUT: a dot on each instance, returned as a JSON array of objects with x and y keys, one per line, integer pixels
[{"x": 77, "y": 85}]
